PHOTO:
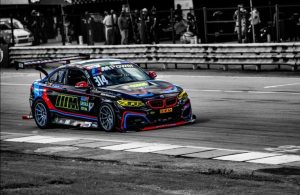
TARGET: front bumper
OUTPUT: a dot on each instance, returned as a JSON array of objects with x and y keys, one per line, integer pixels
[{"x": 152, "y": 119}]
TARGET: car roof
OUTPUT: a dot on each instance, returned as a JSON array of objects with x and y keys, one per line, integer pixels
[
  {"x": 93, "y": 63},
  {"x": 8, "y": 20}
]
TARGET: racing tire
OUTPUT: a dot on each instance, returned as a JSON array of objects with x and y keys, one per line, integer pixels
[
  {"x": 41, "y": 114},
  {"x": 106, "y": 117}
]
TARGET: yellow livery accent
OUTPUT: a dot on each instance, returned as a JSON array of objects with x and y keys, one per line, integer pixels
[
  {"x": 130, "y": 103},
  {"x": 182, "y": 95}
]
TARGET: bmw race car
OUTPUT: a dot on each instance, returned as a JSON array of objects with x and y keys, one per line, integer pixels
[{"x": 109, "y": 94}]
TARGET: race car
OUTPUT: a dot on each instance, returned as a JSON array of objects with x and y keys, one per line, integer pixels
[{"x": 109, "y": 94}]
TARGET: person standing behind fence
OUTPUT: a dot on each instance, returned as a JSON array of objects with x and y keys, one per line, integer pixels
[
  {"x": 144, "y": 26},
  {"x": 178, "y": 13},
  {"x": 154, "y": 28},
  {"x": 191, "y": 22},
  {"x": 136, "y": 26},
  {"x": 35, "y": 27},
  {"x": 123, "y": 26},
  {"x": 109, "y": 33},
  {"x": 240, "y": 17},
  {"x": 255, "y": 21}
]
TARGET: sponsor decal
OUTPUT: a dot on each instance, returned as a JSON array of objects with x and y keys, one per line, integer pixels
[
  {"x": 85, "y": 105},
  {"x": 136, "y": 85},
  {"x": 166, "y": 110},
  {"x": 67, "y": 102},
  {"x": 84, "y": 98},
  {"x": 84, "y": 109},
  {"x": 106, "y": 68},
  {"x": 86, "y": 124},
  {"x": 91, "y": 105}
]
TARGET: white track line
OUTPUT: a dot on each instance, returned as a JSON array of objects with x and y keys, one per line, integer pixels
[
  {"x": 144, "y": 147},
  {"x": 276, "y": 160},
  {"x": 154, "y": 147},
  {"x": 50, "y": 140},
  {"x": 274, "y": 86},
  {"x": 246, "y": 156},
  {"x": 249, "y": 92},
  {"x": 14, "y": 84},
  {"x": 126, "y": 146},
  {"x": 28, "y": 138}
]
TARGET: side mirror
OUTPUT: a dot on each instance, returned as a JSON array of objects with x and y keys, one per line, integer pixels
[
  {"x": 81, "y": 85},
  {"x": 152, "y": 74}
]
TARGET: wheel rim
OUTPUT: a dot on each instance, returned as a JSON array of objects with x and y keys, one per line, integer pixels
[
  {"x": 41, "y": 114},
  {"x": 106, "y": 118}
]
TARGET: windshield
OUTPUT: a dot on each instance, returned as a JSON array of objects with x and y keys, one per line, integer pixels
[
  {"x": 6, "y": 24},
  {"x": 116, "y": 74}
]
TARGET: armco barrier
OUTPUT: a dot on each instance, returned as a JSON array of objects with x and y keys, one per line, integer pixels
[{"x": 259, "y": 54}]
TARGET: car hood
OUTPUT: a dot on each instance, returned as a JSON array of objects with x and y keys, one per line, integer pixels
[{"x": 143, "y": 89}]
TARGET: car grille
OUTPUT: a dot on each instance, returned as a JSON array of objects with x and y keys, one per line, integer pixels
[
  {"x": 22, "y": 37},
  {"x": 162, "y": 103},
  {"x": 156, "y": 103},
  {"x": 171, "y": 101},
  {"x": 23, "y": 41}
]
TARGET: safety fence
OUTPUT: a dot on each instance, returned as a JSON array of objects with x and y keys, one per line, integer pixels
[
  {"x": 165, "y": 55},
  {"x": 69, "y": 24}
]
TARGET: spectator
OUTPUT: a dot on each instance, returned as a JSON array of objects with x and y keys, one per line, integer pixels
[
  {"x": 69, "y": 30},
  {"x": 191, "y": 23},
  {"x": 88, "y": 23},
  {"x": 154, "y": 29},
  {"x": 131, "y": 36},
  {"x": 144, "y": 26},
  {"x": 135, "y": 26},
  {"x": 254, "y": 20},
  {"x": 115, "y": 27},
  {"x": 35, "y": 26},
  {"x": 123, "y": 26},
  {"x": 43, "y": 31},
  {"x": 240, "y": 17},
  {"x": 178, "y": 13},
  {"x": 108, "y": 22}
]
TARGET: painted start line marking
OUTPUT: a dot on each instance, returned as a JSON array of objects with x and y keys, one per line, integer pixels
[
  {"x": 283, "y": 85},
  {"x": 271, "y": 158}
]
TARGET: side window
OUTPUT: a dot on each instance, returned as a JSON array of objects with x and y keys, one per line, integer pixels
[
  {"x": 75, "y": 76},
  {"x": 58, "y": 77}
]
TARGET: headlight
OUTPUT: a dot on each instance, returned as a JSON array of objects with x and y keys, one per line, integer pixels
[
  {"x": 183, "y": 95},
  {"x": 130, "y": 103}
]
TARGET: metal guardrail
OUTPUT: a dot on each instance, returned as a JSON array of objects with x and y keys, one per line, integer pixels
[{"x": 281, "y": 54}]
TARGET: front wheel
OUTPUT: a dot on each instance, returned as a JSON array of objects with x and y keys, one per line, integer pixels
[
  {"x": 41, "y": 114},
  {"x": 106, "y": 117}
]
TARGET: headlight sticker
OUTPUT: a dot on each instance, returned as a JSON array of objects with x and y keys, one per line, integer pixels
[
  {"x": 130, "y": 103},
  {"x": 182, "y": 95}
]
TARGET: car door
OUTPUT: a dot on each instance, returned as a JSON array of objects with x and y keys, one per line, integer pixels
[
  {"x": 55, "y": 86},
  {"x": 77, "y": 99}
]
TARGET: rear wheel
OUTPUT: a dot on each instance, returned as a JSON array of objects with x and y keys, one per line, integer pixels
[
  {"x": 41, "y": 114},
  {"x": 106, "y": 117}
]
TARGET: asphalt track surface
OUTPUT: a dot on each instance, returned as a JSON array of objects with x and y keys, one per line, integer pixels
[{"x": 234, "y": 111}]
